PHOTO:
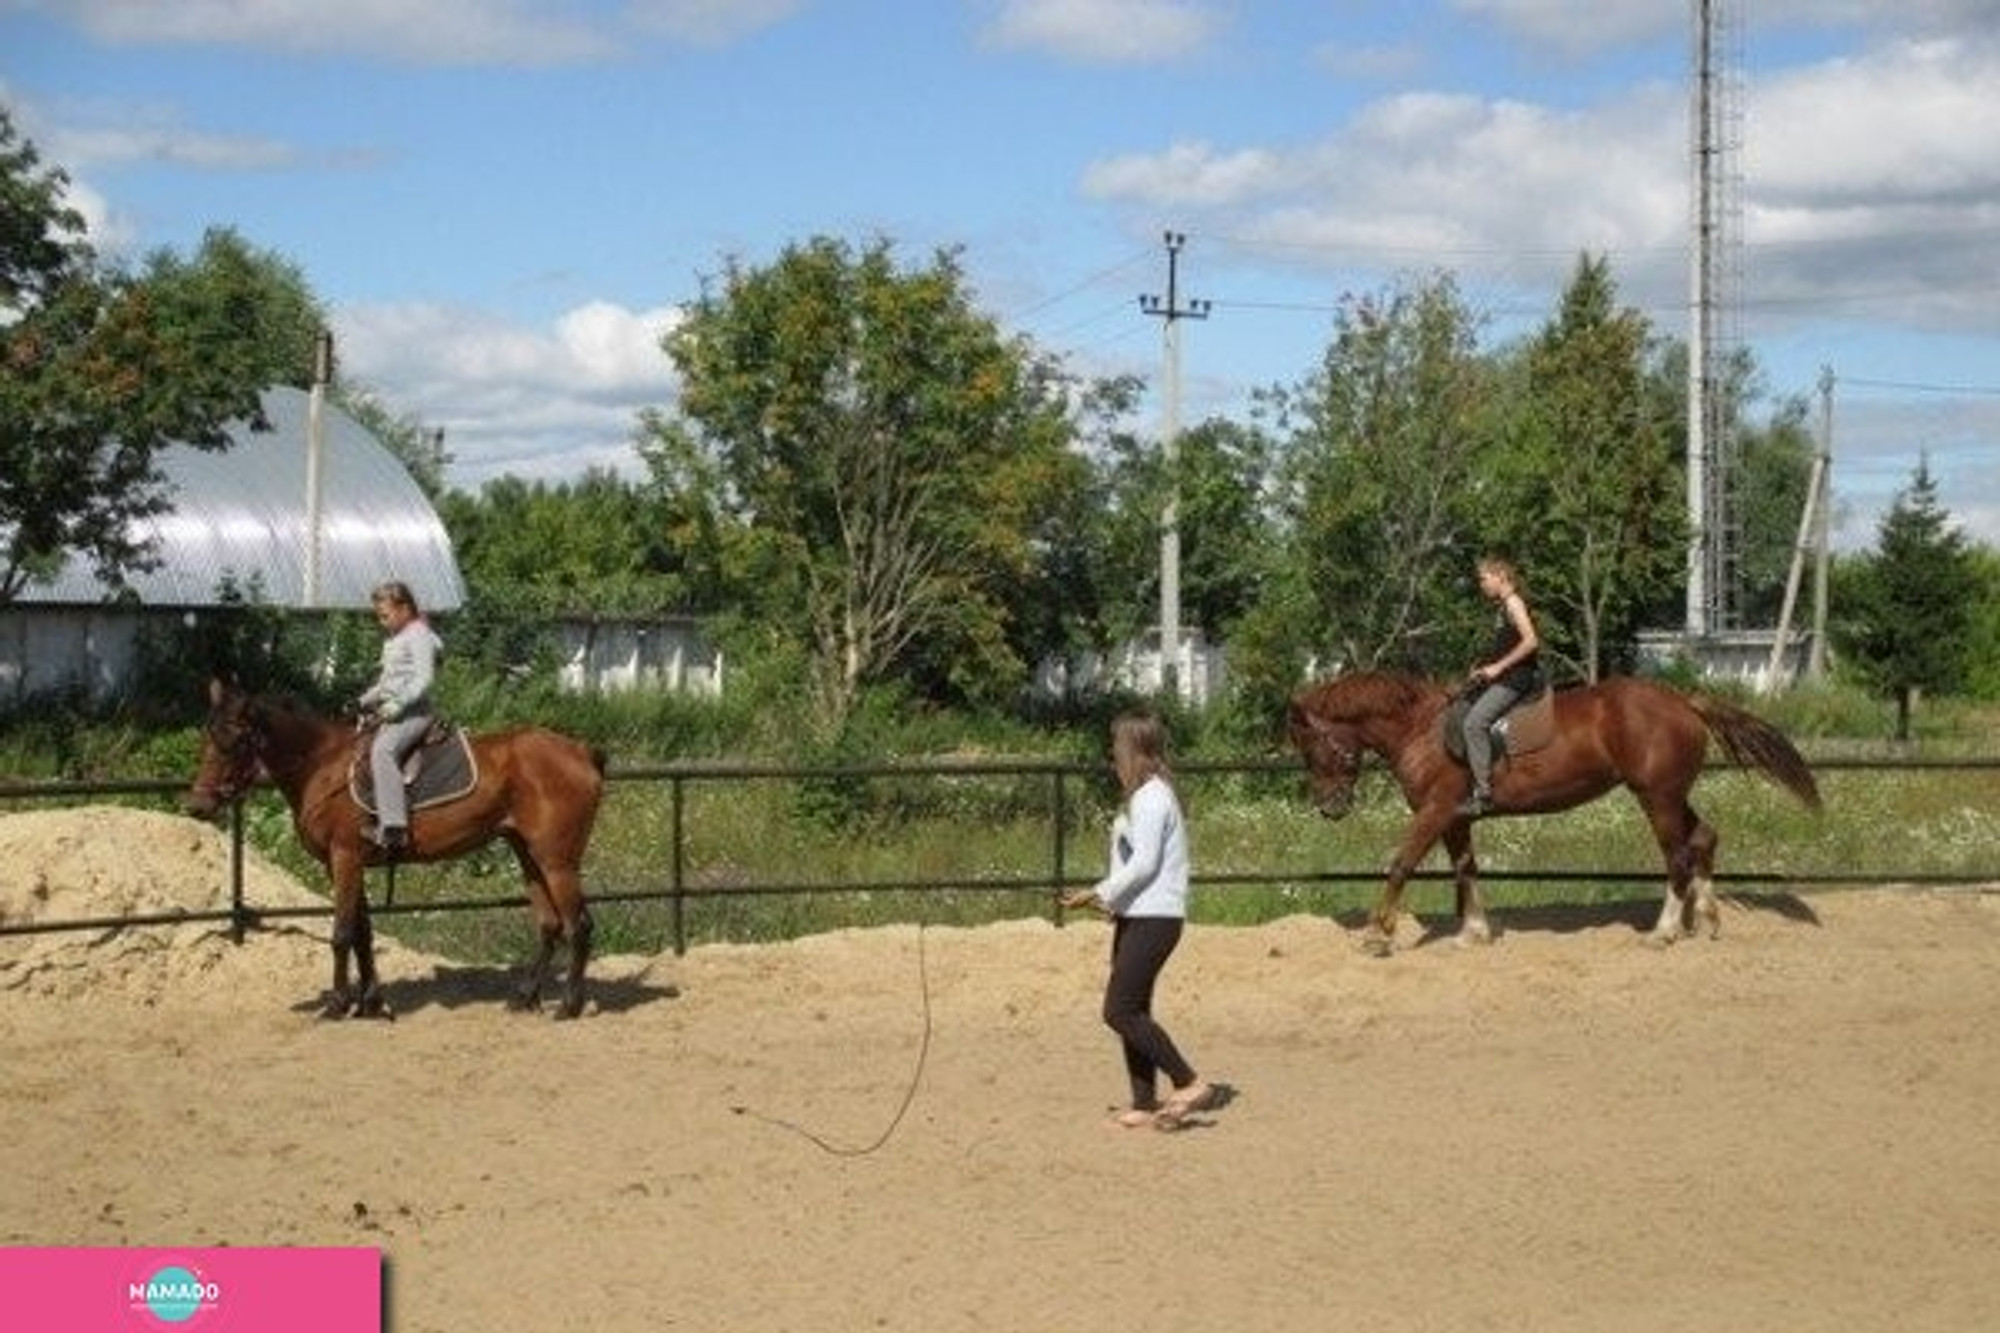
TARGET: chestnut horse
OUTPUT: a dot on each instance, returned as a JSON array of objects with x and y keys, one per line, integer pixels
[
  {"x": 1645, "y": 736},
  {"x": 537, "y": 789}
]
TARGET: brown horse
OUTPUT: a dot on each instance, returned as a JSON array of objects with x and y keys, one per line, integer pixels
[
  {"x": 1645, "y": 736},
  {"x": 537, "y": 789}
]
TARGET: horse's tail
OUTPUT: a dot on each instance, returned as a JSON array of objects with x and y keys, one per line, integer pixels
[
  {"x": 599, "y": 759},
  {"x": 1752, "y": 743}
]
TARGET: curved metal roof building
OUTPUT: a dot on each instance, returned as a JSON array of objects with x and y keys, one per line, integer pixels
[{"x": 242, "y": 514}]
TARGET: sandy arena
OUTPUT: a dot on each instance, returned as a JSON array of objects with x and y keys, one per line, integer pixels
[{"x": 1794, "y": 1128}]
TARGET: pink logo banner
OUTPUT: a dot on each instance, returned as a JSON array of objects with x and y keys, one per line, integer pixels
[{"x": 202, "y": 1290}]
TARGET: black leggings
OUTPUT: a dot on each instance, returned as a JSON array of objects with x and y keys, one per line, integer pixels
[{"x": 1140, "y": 947}]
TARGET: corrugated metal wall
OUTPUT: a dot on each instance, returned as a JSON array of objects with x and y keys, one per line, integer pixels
[{"x": 241, "y": 514}]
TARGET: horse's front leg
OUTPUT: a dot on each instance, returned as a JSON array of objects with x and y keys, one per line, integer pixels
[
  {"x": 528, "y": 996},
  {"x": 353, "y": 938},
  {"x": 548, "y": 927},
  {"x": 1473, "y": 927},
  {"x": 1380, "y": 937},
  {"x": 579, "y": 931}
]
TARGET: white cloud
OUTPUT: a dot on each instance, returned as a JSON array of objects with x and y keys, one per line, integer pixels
[
  {"x": 1370, "y": 63},
  {"x": 142, "y": 137},
  {"x": 1478, "y": 185},
  {"x": 436, "y": 32},
  {"x": 1194, "y": 174},
  {"x": 613, "y": 347},
  {"x": 110, "y": 232},
  {"x": 1868, "y": 191},
  {"x": 1578, "y": 27},
  {"x": 711, "y": 22},
  {"x": 1895, "y": 125},
  {"x": 1105, "y": 31},
  {"x": 531, "y": 402},
  {"x": 499, "y": 32}
]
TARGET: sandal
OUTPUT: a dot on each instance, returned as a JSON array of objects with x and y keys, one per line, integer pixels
[
  {"x": 1186, "y": 1101},
  {"x": 1189, "y": 1101}
]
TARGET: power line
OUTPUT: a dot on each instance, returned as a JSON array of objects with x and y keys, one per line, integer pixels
[
  {"x": 1083, "y": 284},
  {"x": 1913, "y": 386}
]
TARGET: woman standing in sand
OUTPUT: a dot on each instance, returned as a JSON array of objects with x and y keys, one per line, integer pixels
[{"x": 1145, "y": 895}]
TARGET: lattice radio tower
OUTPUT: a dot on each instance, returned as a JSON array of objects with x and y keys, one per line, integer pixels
[{"x": 1714, "y": 593}]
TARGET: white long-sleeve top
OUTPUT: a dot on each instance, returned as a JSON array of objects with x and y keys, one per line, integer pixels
[
  {"x": 1149, "y": 856},
  {"x": 409, "y": 665}
]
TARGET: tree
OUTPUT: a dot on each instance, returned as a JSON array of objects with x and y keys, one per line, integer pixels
[
  {"x": 1908, "y": 610},
  {"x": 1375, "y": 483},
  {"x": 1221, "y": 482},
  {"x": 103, "y": 369},
  {"x": 566, "y": 548},
  {"x": 535, "y": 551},
  {"x": 1983, "y": 640},
  {"x": 870, "y": 457},
  {"x": 416, "y": 446},
  {"x": 1074, "y": 595},
  {"x": 1587, "y": 493}
]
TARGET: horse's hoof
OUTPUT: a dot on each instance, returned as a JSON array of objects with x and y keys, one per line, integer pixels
[
  {"x": 1659, "y": 939},
  {"x": 1473, "y": 937},
  {"x": 1376, "y": 944}
]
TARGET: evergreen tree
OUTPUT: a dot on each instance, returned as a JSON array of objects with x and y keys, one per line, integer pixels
[
  {"x": 1586, "y": 492},
  {"x": 1907, "y": 612}
]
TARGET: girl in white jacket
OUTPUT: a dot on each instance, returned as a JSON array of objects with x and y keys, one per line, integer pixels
[{"x": 1145, "y": 894}]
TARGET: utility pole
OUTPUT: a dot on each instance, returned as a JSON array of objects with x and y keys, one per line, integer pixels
[
  {"x": 1171, "y": 312},
  {"x": 315, "y": 462},
  {"x": 1816, "y": 657}
]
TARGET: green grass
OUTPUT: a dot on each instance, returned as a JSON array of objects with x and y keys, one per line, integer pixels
[
  {"x": 823, "y": 834},
  {"x": 744, "y": 836}
]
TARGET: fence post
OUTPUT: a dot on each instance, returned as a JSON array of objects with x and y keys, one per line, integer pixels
[
  {"x": 676, "y": 889},
  {"x": 238, "y": 918},
  {"x": 1061, "y": 843}
]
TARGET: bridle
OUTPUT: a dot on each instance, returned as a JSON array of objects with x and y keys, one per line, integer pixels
[
  {"x": 240, "y": 748},
  {"x": 1346, "y": 764}
]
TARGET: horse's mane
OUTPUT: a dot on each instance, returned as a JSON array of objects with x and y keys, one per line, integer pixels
[
  {"x": 1360, "y": 694},
  {"x": 289, "y": 712},
  {"x": 283, "y": 704}
]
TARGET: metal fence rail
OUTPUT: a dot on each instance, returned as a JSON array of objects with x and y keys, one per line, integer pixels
[{"x": 242, "y": 915}]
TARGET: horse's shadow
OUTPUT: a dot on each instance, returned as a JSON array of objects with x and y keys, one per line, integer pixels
[
  {"x": 496, "y": 986},
  {"x": 1574, "y": 918}
]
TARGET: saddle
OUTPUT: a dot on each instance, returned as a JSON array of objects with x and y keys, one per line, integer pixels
[
  {"x": 438, "y": 769},
  {"x": 1526, "y": 727}
]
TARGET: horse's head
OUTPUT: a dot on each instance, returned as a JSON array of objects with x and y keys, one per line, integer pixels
[
  {"x": 1332, "y": 751},
  {"x": 231, "y": 749}
]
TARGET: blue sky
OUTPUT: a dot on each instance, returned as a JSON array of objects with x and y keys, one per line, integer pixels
[{"x": 503, "y": 202}]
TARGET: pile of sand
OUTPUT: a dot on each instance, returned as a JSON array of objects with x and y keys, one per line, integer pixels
[{"x": 108, "y": 863}]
